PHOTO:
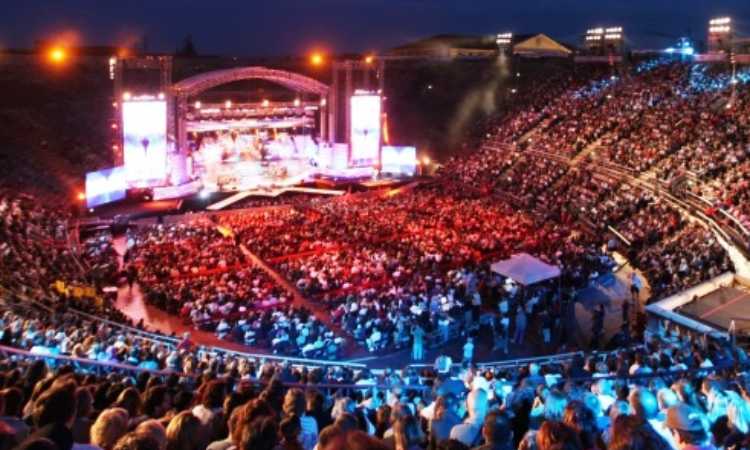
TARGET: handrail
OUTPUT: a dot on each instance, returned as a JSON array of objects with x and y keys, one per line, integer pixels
[
  {"x": 167, "y": 372},
  {"x": 94, "y": 362}
]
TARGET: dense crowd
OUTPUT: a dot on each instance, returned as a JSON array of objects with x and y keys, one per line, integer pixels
[{"x": 675, "y": 392}]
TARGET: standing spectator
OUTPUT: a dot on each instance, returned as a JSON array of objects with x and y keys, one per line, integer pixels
[
  {"x": 294, "y": 406},
  {"x": 417, "y": 353},
  {"x": 468, "y": 351},
  {"x": 521, "y": 320}
]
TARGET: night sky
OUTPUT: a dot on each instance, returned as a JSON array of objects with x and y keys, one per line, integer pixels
[{"x": 274, "y": 27}]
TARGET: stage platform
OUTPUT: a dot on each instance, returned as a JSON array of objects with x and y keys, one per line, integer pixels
[{"x": 720, "y": 307}]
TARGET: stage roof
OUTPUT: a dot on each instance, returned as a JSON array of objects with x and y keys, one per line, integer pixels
[{"x": 525, "y": 269}]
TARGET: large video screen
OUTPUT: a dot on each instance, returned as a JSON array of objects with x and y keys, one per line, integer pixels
[
  {"x": 399, "y": 160},
  {"x": 144, "y": 127},
  {"x": 105, "y": 186},
  {"x": 237, "y": 159},
  {"x": 365, "y": 130}
]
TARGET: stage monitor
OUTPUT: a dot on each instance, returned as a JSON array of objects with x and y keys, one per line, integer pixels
[
  {"x": 144, "y": 128},
  {"x": 105, "y": 186},
  {"x": 365, "y": 130},
  {"x": 399, "y": 160}
]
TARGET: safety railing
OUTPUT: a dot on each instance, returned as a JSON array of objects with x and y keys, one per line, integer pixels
[{"x": 102, "y": 367}]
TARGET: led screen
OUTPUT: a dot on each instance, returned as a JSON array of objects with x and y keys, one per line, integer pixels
[
  {"x": 105, "y": 186},
  {"x": 399, "y": 160},
  {"x": 144, "y": 130},
  {"x": 365, "y": 130}
]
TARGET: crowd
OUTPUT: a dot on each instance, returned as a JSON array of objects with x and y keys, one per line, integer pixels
[{"x": 676, "y": 391}]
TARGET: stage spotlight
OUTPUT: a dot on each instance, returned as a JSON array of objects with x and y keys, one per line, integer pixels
[
  {"x": 369, "y": 59},
  {"x": 81, "y": 196},
  {"x": 204, "y": 194},
  {"x": 126, "y": 96},
  {"x": 228, "y": 104}
]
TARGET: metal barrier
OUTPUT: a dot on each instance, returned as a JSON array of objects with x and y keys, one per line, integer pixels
[{"x": 108, "y": 366}]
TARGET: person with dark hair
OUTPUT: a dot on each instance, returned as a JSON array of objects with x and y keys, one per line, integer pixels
[
  {"x": 496, "y": 432},
  {"x": 156, "y": 402},
  {"x": 557, "y": 436},
  {"x": 294, "y": 406},
  {"x": 630, "y": 433},
  {"x": 262, "y": 434},
  {"x": 689, "y": 428},
  {"x": 37, "y": 444},
  {"x": 129, "y": 400},
  {"x": 84, "y": 409},
  {"x": 382, "y": 420},
  {"x": 407, "y": 434},
  {"x": 289, "y": 431},
  {"x": 314, "y": 407},
  {"x": 580, "y": 418},
  {"x": 443, "y": 420},
  {"x": 56, "y": 405},
  {"x": 12, "y": 400},
  {"x": 211, "y": 408}
]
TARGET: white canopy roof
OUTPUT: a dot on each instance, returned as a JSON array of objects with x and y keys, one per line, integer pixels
[{"x": 525, "y": 269}]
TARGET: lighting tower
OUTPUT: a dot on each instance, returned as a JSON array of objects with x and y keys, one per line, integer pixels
[{"x": 720, "y": 34}]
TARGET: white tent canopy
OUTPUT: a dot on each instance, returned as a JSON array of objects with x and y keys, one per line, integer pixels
[{"x": 525, "y": 270}]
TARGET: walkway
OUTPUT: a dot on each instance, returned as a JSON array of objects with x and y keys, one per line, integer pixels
[{"x": 320, "y": 311}]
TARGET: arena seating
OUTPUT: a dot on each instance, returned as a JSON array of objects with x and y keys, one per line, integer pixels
[{"x": 589, "y": 170}]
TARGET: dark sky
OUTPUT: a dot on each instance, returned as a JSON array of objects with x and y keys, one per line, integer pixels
[{"x": 271, "y": 27}]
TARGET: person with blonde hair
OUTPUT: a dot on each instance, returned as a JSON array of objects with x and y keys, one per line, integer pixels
[
  {"x": 155, "y": 430},
  {"x": 110, "y": 426},
  {"x": 185, "y": 432}
]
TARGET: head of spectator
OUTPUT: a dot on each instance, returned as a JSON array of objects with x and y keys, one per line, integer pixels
[
  {"x": 557, "y": 436},
  {"x": 262, "y": 434},
  {"x": 294, "y": 403},
  {"x": 688, "y": 426},
  {"x": 497, "y": 431},
  {"x": 154, "y": 429},
  {"x": 185, "y": 432},
  {"x": 289, "y": 432},
  {"x": 407, "y": 433},
  {"x": 554, "y": 405},
  {"x": 110, "y": 425},
  {"x": 129, "y": 400},
  {"x": 56, "y": 405},
  {"x": 630, "y": 433},
  {"x": 643, "y": 404},
  {"x": 137, "y": 441},
  {"x": 156, "y": 401}
]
